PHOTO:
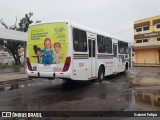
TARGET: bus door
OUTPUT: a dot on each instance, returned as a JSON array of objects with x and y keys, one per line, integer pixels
[
  {"x": 92, "y": 57},
  {"x": 115, "y": 55}
]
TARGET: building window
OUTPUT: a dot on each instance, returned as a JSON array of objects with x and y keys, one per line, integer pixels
[
  {"x": 145, "y": 28},
  {"x": 145, "y": 40},
  {"x": 79, "y": 40},
  {"x": 158, "y": 39},
  {"x": 158, "y": 25},
  {"x": 138, "y": 41},
  {"x": 138, "y": 29}
]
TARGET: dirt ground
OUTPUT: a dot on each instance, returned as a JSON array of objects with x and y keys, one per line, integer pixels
[{"x": 145, "y": 76}]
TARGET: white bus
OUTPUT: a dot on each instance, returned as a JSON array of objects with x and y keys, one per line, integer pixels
[{"x": 69, "y": 51}]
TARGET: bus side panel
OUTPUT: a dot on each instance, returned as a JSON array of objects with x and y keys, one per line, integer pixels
[
  {"x": 80, "y": 71},
  {"x": 107, "y": 63},
  {"x": 123, "y": 56},
  {"x": 121, "y": 63},
  {"x": 80, "y": 63},
  {"x": 70, "y": 50}
]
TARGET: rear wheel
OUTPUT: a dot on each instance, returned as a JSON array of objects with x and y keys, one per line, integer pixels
[
  {"x": 100, "y": 74},
  {"x": 126, "y": 68}
]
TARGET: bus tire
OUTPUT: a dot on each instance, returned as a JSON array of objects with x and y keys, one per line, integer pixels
[
  {"x": 100, "y": 74},
  {"x": 126, "y": 68}
]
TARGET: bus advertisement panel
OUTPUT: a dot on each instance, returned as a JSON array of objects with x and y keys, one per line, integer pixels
[{"x": 48, "y": 44}]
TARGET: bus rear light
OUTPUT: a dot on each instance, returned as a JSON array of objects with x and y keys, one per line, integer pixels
[
  {"x": 67, "y": 64},
  {"x": 29, "y": 64}
]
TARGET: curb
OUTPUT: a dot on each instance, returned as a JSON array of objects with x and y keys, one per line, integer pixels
[
  {"x": 146, "y": 65},
  {"x": 135, "y": 83},
  {"x": 14, "y": 80},
  {"x": 142, "y": 85}
]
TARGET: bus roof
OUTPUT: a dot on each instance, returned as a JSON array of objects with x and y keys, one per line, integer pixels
[{"x": 82, "y": 27}]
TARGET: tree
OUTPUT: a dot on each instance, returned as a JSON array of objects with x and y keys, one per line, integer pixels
[{"x": 13, "y": 46}]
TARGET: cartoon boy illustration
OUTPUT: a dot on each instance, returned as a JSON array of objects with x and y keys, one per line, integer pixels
[
  {"x": 47, "y": 52},
  {"x": 38, "y": 52},
  {"x": 57, "y": 56}
]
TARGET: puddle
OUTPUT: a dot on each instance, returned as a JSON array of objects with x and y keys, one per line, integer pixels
[
  {"x": 144, "y": 100},
  {"x": 148, "y": 98}
]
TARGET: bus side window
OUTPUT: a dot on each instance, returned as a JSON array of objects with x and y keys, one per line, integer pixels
[
  {"x": 101, "y": 45},
  {"x": 115, "y": 50},
  {"x": 76, "y": 43},
  {"x": 104, "y": 44},
  {"x": 126, "y": 48},
  {"x": 108, "y": 45},
  {"x": 121, "y": 47},
  {"x": 94, "y": 51},
  {"x": 79, "y": 40}
]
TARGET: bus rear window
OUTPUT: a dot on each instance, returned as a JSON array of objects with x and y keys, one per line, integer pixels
[{"x": 79, "y": 40}]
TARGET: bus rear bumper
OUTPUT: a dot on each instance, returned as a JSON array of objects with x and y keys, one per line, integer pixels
[{"x": 40, "y": 74}]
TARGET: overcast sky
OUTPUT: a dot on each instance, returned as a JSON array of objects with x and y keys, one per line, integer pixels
[{"x": 115, "y": 17}]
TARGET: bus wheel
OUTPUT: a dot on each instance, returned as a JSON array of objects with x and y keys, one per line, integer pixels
[
  {"x": 126, "y": 68},
  {"x": 101, "y": 74}
]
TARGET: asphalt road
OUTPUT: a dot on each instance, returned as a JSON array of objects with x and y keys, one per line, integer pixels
[{"x": 113, "y": 94}]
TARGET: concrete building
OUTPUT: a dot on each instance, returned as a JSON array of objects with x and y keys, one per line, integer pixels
[
  {"x": 10, "y": 35},
  {"x": 147, "y": 40}
]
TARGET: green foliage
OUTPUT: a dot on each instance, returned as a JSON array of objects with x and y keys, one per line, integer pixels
[
  {"x": 12, "y": 46},
  {"x": 25, "y": 22}
]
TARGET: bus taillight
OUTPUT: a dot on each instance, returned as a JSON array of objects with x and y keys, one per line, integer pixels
[
  {"x": 67, "y": 64},
  {"x": 29, "y": 65}
]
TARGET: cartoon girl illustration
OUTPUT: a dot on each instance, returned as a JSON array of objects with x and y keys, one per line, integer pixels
[
  {"x": 57, "y": 56},
  {"x": 47, "y": 52}
]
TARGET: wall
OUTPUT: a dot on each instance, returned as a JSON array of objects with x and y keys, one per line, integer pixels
[{"x": 147, "y": 56}]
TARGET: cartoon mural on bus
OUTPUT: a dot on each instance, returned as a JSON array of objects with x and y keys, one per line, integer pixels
[
  {"x": 57, "y": 55},
  {"x": 47, "y": 52},
  {"x": 48, "y": 43},
  {"x": 38, "y": 53}
]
